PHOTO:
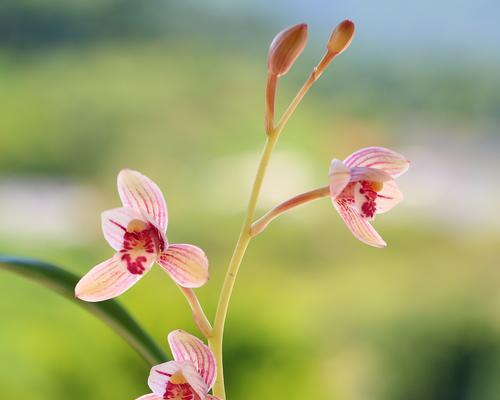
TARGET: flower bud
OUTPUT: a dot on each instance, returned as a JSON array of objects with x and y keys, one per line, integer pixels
[
  {"x": 286, "y": 48},
  {"x": 341, "y": 37}
]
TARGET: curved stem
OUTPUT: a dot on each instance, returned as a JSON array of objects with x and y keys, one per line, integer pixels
[
  {"x": 262, "y": 223},
  {"x": 216, "y": 340},
  {"x": 199, "y": 315},
  {"x": 315, "y": 74}
]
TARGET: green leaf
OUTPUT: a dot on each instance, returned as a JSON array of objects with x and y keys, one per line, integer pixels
[{"x": 111, "y": 312}]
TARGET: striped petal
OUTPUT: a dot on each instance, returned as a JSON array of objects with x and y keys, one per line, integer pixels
[
  {"x": 150, "y": 396},
  {"x": 380, "y": 158},
  {"x": 186, "y": 264},
  {"x": 112, "y": 277},
  {"x": 186, "y": 347},
  {"x": 388, "y": 197},
  {"x": 339, "y": 177},
  {"x": 115, "y": 222},
  {"x": 142, "y": 194},
  {"x": 369, "y": 174},
  {"x": 195, "y": 380},
  {"x": 163, "y": 374},
  {"x": 160, "y": 375},
  {"x": 211, "y": 398},
  {"x": 359, "y": 227}
]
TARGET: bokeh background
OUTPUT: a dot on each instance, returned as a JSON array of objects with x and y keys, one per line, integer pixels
[{"x": 175, "y": 89}]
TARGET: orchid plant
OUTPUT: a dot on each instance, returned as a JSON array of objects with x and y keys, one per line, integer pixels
[{"x": 359, "y": 187}]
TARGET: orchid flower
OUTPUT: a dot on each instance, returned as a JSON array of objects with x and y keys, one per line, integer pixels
[
  {"x": 363, "y": 185},
  {"x": 137, "y": 232},
  {"x": 189, "y": 377}
]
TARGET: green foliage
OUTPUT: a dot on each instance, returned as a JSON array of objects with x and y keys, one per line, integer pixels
[{"x": 110, "y": 312}]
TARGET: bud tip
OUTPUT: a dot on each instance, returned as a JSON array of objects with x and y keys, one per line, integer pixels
[
  {"x": 285, "y": 48},
  {"x": 341, "y": 37}
]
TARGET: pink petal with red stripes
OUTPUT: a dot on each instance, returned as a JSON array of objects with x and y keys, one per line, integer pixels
[
  {"x": 186, "y": 264},
  {"x": 141, "y": 193},
  {"x": 160, "y": 375},
  {"x": 388, "y": 197},
  {"x": 380, "y": 158},
  {"x": 359, "y": 227},
  {"x": 112, "y": 277},
  {"x": 369, "y": 174},
  {"x": 340, "y": 176},
  {"x": 174, "y": 372},
  {"x": 115, "y": 222},
  {"x": 195, "y": 380},
  {"x": 186, "y": 347},
  {"x": 150, "y": 396}
]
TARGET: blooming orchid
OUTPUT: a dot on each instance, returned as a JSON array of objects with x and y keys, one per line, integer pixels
[
  {"x": 189, "y": 377},
  {"x": 363, "y": 185},
  {"x": 360, "y": 187},
  {"x": 137, "y": 232}
]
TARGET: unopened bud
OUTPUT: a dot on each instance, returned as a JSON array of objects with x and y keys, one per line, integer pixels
[
  {"x": 286, "y": 48},
  {"x": 341, "y": 37}
]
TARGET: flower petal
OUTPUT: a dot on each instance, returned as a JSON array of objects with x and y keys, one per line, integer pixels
[
  {"x": 388, "y": 197},
  {"x": 359, "y": 227},
  {"x": 380, "y": 158},
  {"x": 194, "y": 379},
  {"x": 160, "y": 375},
  {"x": 369, "y": 174},
  {"x": 339, "y": 177},
  {"x": 209, "y": 397},
  {"x": 150, "y": 396},
  {"x": 112, "y": 277},
  {"x": 186, "y": 347},
  {"x": 115, "y": 222},
  {"x": 141, "y": 193},
  {"x": 186, "y": 264}
]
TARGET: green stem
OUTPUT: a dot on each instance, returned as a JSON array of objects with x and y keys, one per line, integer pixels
[
  {"x": 216, "y": 340},
  {"x": 110, "y": 312}
]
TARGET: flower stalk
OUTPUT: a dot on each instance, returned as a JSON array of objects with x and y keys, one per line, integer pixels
[
  {"x": 199, "y": 315},
  {"x": 296, "y": 201},
  {"x": 216, "y": 340},
  {"x": 273, "y": 134}
]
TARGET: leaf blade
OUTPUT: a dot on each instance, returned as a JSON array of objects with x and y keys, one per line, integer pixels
[{"x": 110, "y": 312}]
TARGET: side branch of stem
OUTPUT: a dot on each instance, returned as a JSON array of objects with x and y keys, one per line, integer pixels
[{"x": 262, "y": 223}]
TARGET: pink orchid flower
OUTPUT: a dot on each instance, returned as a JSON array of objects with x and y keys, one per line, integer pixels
[
  {"x": 363, "y": 185},
  {"x": 137, "y": 232},
  {"x": 189, "y": 377}
]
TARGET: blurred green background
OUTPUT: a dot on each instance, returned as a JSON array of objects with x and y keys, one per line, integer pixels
[{"x": 175, "y": 89}]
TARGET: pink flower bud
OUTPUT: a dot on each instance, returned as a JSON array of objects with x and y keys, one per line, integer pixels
[
  {"x": 341, "y": 37},
  {"x": 286, "y": 48}
]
